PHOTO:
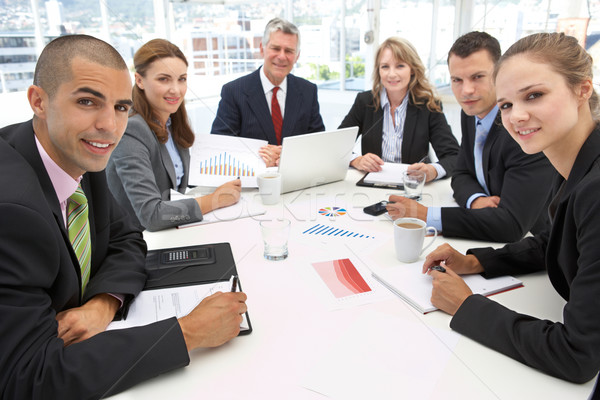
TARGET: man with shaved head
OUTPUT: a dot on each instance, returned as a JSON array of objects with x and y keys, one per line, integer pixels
[{"x": 70, "y": 258}]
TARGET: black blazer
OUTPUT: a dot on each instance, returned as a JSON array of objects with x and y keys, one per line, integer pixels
[
  {"x": 569, "y": 251},
  {"x": 522, "y": 181},
  {"x": 243, "y": 109},
  {"x": 420, "y": 128},
  {"x": 40, "y": 276}
]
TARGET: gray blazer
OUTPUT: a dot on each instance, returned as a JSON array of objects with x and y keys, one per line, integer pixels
[{"x": 140, "y": 175}]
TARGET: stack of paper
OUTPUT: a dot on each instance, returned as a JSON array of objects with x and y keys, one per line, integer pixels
[{"x": 390, "y": 174}]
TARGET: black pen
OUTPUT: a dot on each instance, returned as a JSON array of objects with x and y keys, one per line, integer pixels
[
  {"x": 438, "y": 268},
  {"x": 125, "y": 312},
  {"x": 234, "y": 283}
]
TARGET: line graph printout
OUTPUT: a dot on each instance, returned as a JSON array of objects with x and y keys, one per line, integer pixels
[{"x": 216, "y": 159}]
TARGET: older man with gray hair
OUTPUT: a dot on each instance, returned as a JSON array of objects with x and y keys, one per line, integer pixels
[{"x": 270, "y": 103}]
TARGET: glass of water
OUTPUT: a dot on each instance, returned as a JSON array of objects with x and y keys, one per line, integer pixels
[
  {"x": 275, "y": 235},
  {"x": 413, "y": 184}
]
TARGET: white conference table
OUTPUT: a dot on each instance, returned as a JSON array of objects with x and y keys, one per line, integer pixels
[{"x": 302, "y": 349}]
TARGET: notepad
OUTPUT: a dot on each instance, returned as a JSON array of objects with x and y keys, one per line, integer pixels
[
  {"x": 408, "y": 283},
  {"x": 390, "y": 174}
]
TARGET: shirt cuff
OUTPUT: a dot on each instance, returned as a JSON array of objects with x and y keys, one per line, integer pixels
[
  {"x": 441, "y": 172},
  {"x": 473, "y": 197},
  {"x": 434, "y": 218},
  {"x": 119, "y": 297}
]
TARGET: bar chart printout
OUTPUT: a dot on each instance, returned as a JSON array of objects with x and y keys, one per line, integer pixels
[
  {"x": 329, "y": 231},
  {"x": 227, "y": 165},
  {"x": 216, "y": 159},
  {"x": 341, "y": 277}
]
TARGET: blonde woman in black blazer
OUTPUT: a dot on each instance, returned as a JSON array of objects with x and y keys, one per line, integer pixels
[{"x": 399, "y": 79}]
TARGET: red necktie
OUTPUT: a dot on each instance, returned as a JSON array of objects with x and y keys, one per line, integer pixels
[{"x": 276, "y": 115}]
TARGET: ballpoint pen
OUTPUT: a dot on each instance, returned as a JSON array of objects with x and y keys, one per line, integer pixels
[
  {"x": 438, "y": 268},
  {"x": 234, "y": 283},
  {"x": 423, "y": 159}
]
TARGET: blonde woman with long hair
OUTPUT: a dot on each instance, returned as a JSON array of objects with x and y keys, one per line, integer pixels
[{"x": 401, "y": 115}]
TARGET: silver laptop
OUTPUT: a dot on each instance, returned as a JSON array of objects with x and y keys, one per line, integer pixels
[{"x": 315, "y": 158}]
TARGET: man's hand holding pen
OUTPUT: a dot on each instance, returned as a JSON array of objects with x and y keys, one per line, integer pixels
[{"x": 214, "y": 321}]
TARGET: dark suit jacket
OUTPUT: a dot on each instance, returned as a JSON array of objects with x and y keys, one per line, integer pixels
[
  {"x": 522, "y": 181},
  {"x": 421, "y": 127},
  {"x": 40, "y": 276},
  {"x": 569, "y": 251},
  {"x": 141, "y": 174},
  {"x": 243, "y": 109}
]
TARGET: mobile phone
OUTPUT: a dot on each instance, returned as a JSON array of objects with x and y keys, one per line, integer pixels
[{"x": 376, "y": 209}]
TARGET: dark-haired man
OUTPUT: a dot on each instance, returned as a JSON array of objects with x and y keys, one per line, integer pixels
[
  {"x": 501, "y": 191},
  {"x": 70, "y": 258}
]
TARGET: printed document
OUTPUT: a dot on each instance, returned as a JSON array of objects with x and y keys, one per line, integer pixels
[{"x": 155, "y": 305}]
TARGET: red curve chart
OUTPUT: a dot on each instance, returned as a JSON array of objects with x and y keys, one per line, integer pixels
[{"x": 341, "y": 277}]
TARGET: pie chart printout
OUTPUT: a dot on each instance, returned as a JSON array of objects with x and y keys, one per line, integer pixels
[{"x": 332, "y": 211}]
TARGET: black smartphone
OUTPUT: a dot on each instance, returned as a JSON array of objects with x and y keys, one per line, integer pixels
[{"x": 376, "y": 209}]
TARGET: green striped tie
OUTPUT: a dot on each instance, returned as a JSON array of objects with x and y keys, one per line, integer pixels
[{"x": 79, "y": 233}]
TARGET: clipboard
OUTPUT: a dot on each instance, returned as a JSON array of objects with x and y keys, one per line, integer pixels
[
  {"x": 362, "y": 182},
  {"x": 191, "y": 265}
]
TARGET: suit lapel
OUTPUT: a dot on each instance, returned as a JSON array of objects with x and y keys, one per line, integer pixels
[
  {"x": 409, "y": 131},
  {"x": 87, "y": 189},
  {"x": 494, "y": 133},
  {"x": 374, "y": 135},
  {"x": 471, "y": 132},
  {"x": 257, "y": 102},
  {"x": 372, "y": 138},
  {"x": 470, "y": 137},
  {"x": 25, "y": 144},
  {"x": 185, "y": 159},
  {"x": 167, "y": 162},
  {"x": 293, "y": 103}
]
